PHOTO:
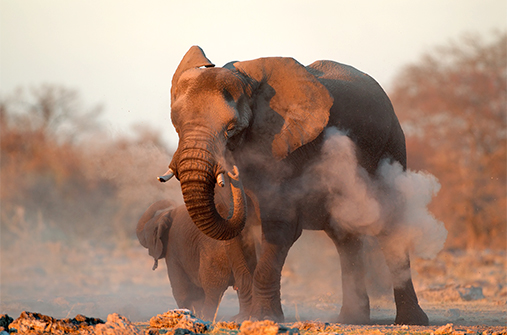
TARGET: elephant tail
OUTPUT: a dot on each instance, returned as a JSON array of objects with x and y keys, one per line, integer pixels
[{"x": 153, "y": 227}]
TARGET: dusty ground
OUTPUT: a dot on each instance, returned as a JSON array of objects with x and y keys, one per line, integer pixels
[
  {"x": 180, "y": 321},
  {"x": 61, "y": 280}
]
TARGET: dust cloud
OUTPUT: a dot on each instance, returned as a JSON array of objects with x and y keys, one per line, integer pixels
[{"x": 394, "y": 202}]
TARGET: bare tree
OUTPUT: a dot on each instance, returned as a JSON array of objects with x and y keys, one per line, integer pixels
[
  {"x": 42, "y": 168},
  {"x": 453, "y": 105},
  {"x": 52, "y": 110}
]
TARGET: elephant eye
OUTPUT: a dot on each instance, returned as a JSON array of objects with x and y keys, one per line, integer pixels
[
  {"x": 230, "y": 129},
  {"x": 227, "y": 95}
]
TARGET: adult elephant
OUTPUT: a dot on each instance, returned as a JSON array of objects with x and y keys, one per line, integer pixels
[{"x": 268, "y": 117}]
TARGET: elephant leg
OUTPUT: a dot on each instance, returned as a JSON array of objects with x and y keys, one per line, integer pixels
[
  {"x": 266, "y": 288},
  {"x": 186, "y": 294},
  {"x": 243, "y": 275},
  {"x": 276, "y": 243},
  {"x": 408, "y": 311},
  {"x": 356, "y": 304},
  {"x": 211, "y": 302},
  {"x": 215, "y": 278}
]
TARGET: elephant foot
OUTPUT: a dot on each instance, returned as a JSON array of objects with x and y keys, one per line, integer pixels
[
  {"x": 240, "y": 317},
  {"x": 268, "y": 314},
  {"x": 412, "y": 316},
  {"x": 408, "y": 311},
  {"x": 354, "y": 316},
  {"x": 271, "y": 317}
]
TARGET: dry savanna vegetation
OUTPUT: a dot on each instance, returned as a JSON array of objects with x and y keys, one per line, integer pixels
[
  {"x": 71, "y": 193},
  {"x": 452, "y": 104}
]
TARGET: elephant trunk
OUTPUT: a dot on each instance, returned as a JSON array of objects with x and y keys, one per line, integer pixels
[{"x": 197, "y": 174}]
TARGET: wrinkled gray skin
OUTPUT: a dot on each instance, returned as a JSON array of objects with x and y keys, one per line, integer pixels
[
  {"x": 199, "y": 267},
  {"x": 268, "y": 116}
]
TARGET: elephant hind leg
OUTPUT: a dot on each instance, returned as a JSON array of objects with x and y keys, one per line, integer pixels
[
  {"x": 408, "y": 311},
  {"x": 356, "y": 304}
]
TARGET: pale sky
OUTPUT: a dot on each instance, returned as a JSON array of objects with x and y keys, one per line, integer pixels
[{"x": 122, "y": 54}]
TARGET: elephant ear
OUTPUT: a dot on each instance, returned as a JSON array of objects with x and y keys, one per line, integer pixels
[
  {"x": 293, "y": 93},
  {"x": 156, "y": 231},
  {"x": 194, "y": 58}
]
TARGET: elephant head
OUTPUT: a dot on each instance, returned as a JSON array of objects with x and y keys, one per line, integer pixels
[{"x": 272, "y": 102}]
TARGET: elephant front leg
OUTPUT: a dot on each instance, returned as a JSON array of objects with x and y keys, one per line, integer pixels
[
  {"x": 356, "y": 304},
  {"x": 186, "y": 294},
  {"x": 211, "y": 302},
  {"x": 243, "y": 276},
  {"x": 266, "y": 303}
]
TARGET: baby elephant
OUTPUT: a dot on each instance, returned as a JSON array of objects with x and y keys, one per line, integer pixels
[{"x": 199, "y": 267}]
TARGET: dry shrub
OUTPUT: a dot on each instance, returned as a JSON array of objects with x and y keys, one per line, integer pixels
[
  {"x": 220, "y": 326},
  {"x": 179, "y": 318},
  {"x": 34, "y": 322},
  {"x": 318, "y": 327},
  {"x": 266, "y": 327},
  {"x": 452, "y": 105},
  {"x": 115, "y": 325},
  {"x": 311, "y": 326},
  {"x": 81, "y": 184}
]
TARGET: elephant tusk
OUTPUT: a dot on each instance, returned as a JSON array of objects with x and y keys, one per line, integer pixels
[
  {"x": 167, "y": 176},
  {"x": 220, "y": 180},
  {"x": 235, "y": 174}
]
